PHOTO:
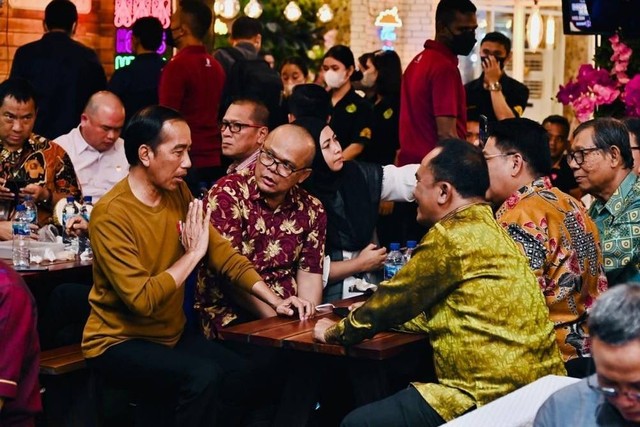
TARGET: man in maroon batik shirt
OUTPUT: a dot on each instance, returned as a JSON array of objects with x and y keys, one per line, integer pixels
[
  {"x": 276, "y": 224},
  {"x": 19, "y": 352}
]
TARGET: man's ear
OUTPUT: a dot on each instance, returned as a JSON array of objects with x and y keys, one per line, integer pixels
[
  {"x": 517, "y": 165},
  {"x": 303, "y": 176},
  {"x": 257, "y": 41},
  {"x": 616, "y": 156},
  {"x": 262, "y": 134},
  {"x": 445, "y": 193},
  {"x": 144, "y": 154},
  {"x": 74, "y": 28},
  {"x": 44, "y": 26},
  {"x": 509, "y": 55}
]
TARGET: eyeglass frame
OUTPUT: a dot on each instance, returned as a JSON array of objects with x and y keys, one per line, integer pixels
[
  {"x": 278, "y": 163},
  {"x": 493, "y": 156},
  {"x": 611, "y": 392},
  {"x": 224, "y": 124},
  {"x": 571, "y": 154}
]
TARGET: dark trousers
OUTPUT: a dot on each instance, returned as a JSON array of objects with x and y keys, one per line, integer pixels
[
  {"x": 197, "y": 383},
  {"x": 405, "y": 408}
]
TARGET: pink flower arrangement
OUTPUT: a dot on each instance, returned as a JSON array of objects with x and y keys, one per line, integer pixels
[{"x": 596, "y": 87}]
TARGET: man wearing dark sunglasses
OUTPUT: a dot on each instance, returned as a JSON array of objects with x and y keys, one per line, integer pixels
[
  {"x": 611, "y": 396},
  {"x": 276, "y": 224}
]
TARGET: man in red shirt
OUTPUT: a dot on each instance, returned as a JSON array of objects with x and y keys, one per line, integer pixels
[
  {"x": 192, "y": 83},
  {"x": 20, "y": 352},
  {"x": 433, "y": 102}
]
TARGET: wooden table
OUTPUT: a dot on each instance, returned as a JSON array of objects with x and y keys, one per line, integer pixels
[
  {"x": 291, "y": 333},
  {"x": 354, "y": 376}
]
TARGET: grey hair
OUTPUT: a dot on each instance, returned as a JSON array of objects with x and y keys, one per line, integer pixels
[{"x": 615, "y": 317}]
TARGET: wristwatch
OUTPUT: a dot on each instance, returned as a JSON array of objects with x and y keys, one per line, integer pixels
[{"x": 493, "y": 87}]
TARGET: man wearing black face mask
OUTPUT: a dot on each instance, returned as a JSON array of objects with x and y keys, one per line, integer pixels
[
  {"x": 433, "y": 105},
  {"x": 495, "y": 94}
]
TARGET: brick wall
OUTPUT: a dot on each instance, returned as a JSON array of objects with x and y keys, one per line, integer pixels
[
  {"x": 418, "y": 19},
  {"x": 18, "y": 27}
]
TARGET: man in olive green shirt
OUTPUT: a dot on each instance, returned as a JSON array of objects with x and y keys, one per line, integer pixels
[
  {"x": 148, "y": 234},
  {"x": 469, "y": 287}
]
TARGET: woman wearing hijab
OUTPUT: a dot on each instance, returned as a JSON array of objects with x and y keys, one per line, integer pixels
[{"x": 350, "y": 192}]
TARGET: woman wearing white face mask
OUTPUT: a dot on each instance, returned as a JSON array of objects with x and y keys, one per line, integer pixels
[
  {"x": 351, "y": 114},
  {"x": 383, "y": 74}
]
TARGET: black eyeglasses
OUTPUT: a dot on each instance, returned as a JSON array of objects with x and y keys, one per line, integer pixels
[
  {"x": 493, "y": 156},
  {"x": 611, "y": 392},
  {"x": 236, "y": 127},
  {"x": 283, "y": 169},
  {"x": 579, "y": 155}
]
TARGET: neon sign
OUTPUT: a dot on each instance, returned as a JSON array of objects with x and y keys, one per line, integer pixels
[{"x": 387, "y": 21}]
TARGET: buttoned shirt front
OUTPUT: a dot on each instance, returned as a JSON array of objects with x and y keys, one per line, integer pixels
[
  {"x": 618, "y": 221},
  {"x": 278, "y": 242},
  {"x": 97, "y": 171}
]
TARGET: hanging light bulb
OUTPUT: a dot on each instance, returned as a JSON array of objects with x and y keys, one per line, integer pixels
[
  {"x": 550, "y": 33},
  {"x": 228, "y": 9},
  {"x": 325, "y": 14},
  {"x": 292, "y": 12},
  {"x": 220, "y": 28},
  {"x": 535, "y": 29},
  {"x": 253, "y": 9}
]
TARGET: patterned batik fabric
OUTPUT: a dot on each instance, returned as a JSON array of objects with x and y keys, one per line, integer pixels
[
  {"x": 554, "y": 231},
  {"x": 277, "y": 241},
  {"x": 471, "y": 290},
  {"x": 618, "y": 221},
  {"x": 41, "y": 162}
]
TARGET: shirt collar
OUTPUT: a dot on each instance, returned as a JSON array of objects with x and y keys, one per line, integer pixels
[
  {"x": 239, "y": 166},
  {"x": 442, "y": 48},
  {"x": 616, "y": 202},
  {"x": 80, "y": 144},
  {"x": 539, "y": 184}
]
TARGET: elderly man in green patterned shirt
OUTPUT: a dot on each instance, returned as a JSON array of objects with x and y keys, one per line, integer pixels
[
  {"x": 602, "y": 163},
  {"x": 469, "y": 287}
]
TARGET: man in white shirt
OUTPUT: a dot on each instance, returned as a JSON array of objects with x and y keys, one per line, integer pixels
[{"x": 95, "y": 146}]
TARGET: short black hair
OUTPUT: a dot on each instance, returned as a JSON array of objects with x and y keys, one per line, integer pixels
[
  {"x": 149, "y": 31},
  {"x": 197, "y": 16},
  {"x": 19, "y": 89},
  {"x": 310, "y": 100},
  {"x": 259, "y": 111},
  {"x": 362, "y": 59},
  {"x": 60, "y": 15},
  {"x": 342, "y": 54},
  {"x": 446, "y": 10},
  {"x": 463, "y": 166},
  {"x": 497, "y": 37},
  {"x": 609, "y": 132},
  {"x": 298, "y": 62},
  {"x": 145, "y": 128},
  {"x": 556, "y": 119},
  {"x": 245, "y": 28},
  {"x": 526, "y": 137}
]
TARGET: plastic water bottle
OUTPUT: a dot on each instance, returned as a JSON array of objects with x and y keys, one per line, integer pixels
[
  {"x": 69, "y": 211},
  {"x": 394, "y": 261},
  {"x": 31, "y": 210},
  {"x": 408, "y": 252},
  {"x": 85, "y": 212},
  {"x": 21, "y": 237},
  {"x": 86, "y": 208}
]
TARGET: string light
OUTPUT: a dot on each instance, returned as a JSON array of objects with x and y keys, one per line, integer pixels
[
  {"x": 325, "y": 14},
  {"x": 253, "y": 9},
  {"x": 535, "y": 30},
  {"x": 550, "y": 33},
  {"x": 228, "y": 9},
  {"x": 292, "y": 12}
]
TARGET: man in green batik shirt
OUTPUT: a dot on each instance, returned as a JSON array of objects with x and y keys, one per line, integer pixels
[
  {"x": 469, "y": 287},
  {"x": 602, "y": 163}
]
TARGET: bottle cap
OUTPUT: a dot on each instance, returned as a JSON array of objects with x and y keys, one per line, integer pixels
[
  {"x": 394, "y": 246},
  {"x": 28, "y": 197},
  {"x": 412, "y": 244},
  {"x": 21, "y": 208},
  {"x": 87, "y": 199},
  {"x": 70, "y": 199}
]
